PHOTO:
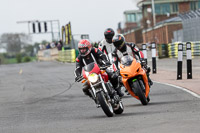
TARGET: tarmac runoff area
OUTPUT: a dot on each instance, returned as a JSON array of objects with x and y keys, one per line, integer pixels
[{"x": 167, "y": 74}]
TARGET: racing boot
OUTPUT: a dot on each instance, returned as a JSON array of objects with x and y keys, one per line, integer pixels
[
  {"x": 118, "y": 87},
  {"x": 116, "y": 84},
  {"x": 119, "y": 92},
  {"x": 115, "y": 97},
  {"x": 86, "y": 91},
  {"x": 147, "y": 70},
  {"x": 149, "y": 80}
]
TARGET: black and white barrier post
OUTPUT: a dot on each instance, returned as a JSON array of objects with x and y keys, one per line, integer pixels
[
  {"x": 189, "y": 60},
  {"x": 180, "y": 61},
  {"x": 153, "y": 48},
  {"x": 144, "y": 50}
]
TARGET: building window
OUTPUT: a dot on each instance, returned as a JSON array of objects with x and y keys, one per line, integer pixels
[
  {"x": 139, "y": 17},
  {"x": 198, "y": 3},
  {"x": 157, "y": 9},
  {"x": 174, "y": 7},
  {"x": 193, "y": 5},
  {"x": 165, "y": 8},
  {"x": 162, "y": 8},
  {"x": 131, "y": 18}
]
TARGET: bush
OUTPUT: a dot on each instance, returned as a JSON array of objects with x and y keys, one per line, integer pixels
[
  {"x": 19, "y": 58},
  {"x": 27, "y": 59}
]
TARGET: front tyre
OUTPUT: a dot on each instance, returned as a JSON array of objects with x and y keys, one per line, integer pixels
[
  {"x": 140, "y": 93},
  {"x": 105, "y": 104}
]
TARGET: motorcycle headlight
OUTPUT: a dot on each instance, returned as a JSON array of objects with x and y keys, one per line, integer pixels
[{"x": 93, "y": 77}]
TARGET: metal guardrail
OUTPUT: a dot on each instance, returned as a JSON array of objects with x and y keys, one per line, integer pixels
[{"x": 67, "y": 55}]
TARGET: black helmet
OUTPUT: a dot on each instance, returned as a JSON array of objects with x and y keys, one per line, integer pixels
[
  {"x": 109, "y": 33},
  {"x": 119, "y": 42}
]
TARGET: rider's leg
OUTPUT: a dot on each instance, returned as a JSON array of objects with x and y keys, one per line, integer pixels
[
  {"x": 86, "y": 89},
  {"x": 114, "y": 79},
  {"x": 148, "y": 70}
]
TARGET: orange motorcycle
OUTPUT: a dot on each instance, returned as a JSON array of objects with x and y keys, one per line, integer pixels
[{"x": 134, "y": 79}]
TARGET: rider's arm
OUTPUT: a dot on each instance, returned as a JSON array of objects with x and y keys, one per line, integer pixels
[
  {"x": 135, "y": 50},
  {"x": 100, "y": 55},
  {"x": 116, "y": 58},
  {"x": 79, "y": 65},
  {"x": 102, "y": 47}
]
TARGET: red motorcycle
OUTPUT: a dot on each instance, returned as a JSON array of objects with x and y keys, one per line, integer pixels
[{"x": 101, "y": 89}]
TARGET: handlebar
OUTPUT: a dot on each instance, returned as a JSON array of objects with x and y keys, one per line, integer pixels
[
  {"x": 78, "y": 79},
  {"x": 104, "y": 67}
]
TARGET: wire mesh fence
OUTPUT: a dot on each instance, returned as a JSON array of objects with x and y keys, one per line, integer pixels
[{"x": 191, "y": 25}]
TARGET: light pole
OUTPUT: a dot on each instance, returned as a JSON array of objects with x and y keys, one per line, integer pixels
[
  {"x": 153, "y": 12},
  {"x": 154, "y": 18}
]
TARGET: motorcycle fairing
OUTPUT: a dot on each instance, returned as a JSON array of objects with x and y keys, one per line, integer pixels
[{"x": 132, "y": 71}]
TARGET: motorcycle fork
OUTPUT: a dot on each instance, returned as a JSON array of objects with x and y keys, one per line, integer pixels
[
  {"x": 94, "y": 90},
  {"x": 104, "y": 88}
]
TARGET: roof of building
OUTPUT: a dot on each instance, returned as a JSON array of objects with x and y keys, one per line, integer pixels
[
  {"x": 132, "y": 11},
  {"x": 174, "y": 20},
  {"x": 170, "y": 20},
  {"x": 148, "y": 2}
]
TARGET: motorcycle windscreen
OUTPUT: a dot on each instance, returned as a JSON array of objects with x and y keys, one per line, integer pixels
[
  {"x": 127, "y": 60},
  {"x": 92, "y": 68}
]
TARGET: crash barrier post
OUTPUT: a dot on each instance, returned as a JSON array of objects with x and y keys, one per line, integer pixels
[
  {"x": 153, "y": 48},
  {"x": 179, "y": 63},
  {"x": 189, "y": 60},
  {"x": 144, "y": 50}
]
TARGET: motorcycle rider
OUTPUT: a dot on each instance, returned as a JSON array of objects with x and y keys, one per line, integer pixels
[
  {"x": 106, "y": 44},
  {"x": 87, "y": 54},
  {"x": 123, "y": 48}
]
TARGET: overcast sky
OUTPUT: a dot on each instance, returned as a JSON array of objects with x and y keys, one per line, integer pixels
[{"x": 87, "y": 16}]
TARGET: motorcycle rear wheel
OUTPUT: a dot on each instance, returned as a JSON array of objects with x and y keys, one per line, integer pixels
[
  {"x": 120, "y": 108},
  {"x": 105, "y": 105}
]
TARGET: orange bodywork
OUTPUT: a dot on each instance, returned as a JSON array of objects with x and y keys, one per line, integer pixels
[{"x": 131, "y": 71}]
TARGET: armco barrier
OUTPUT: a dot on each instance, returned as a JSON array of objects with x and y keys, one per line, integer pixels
[
  {"x": 67, "y": 55},
  {"x": 48, "y": 54},
  {"x": 173, "y": 49},
  {"x": 54, "y": 54}
]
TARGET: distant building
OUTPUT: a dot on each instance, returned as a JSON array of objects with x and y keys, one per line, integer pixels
[
  {"x": 132, "y": 23},
  {"x": 132, "y": 19},
  {"x": 167, "y": 22}
]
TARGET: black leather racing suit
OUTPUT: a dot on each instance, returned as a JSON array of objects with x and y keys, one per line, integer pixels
[
  {"x": 101, "y": 60},
  {"x": 130, "y": 49}
]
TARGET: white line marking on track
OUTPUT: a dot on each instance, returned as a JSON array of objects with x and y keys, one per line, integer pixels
[{"x": 181, "y": 88}]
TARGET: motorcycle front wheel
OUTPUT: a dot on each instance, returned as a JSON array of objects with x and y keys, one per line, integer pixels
[
  {"x": 140, "y": 93},
  {"x": 105, "y": 104}
]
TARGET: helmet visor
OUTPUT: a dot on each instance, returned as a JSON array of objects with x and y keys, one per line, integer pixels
[
  {"x": 83, "y": 51},
  {"x": 109, "y": 38}
]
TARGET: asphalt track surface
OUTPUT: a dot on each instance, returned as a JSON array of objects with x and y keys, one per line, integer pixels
[{"x": 41, "y": 97}]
